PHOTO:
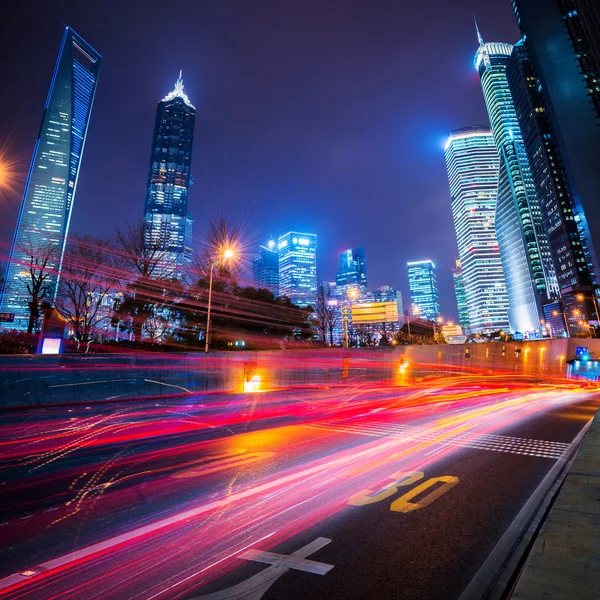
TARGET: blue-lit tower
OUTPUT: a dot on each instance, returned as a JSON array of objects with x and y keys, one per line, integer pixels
[
  {"x": 423, "y": 290},
  {"x": 297, "y": 253},
  {"x": 265, "y": 268},
  {"x": 166, "y": 211},
  {"x": 43, "y": 221},
  {"x": 524, "y": 251},
  {"x": 353, "y": 271}
]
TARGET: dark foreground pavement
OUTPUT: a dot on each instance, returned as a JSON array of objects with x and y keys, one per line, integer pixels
[{"x": 365, "y": 492}]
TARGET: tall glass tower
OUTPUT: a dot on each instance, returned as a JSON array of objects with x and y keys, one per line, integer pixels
[
  {"x": 298, "y": 267},
  {"x": 169, "y": 180},
  {"x": 43, "y": 221},
  {"x": 461, "y": 297},
  {"x": 353, "y": 271},
  {"x": 524, "y": 251},
  {"x": 472, "y": 164},
  {"x": 265, "y": 268},
  {"x": 423, "y": 289}
]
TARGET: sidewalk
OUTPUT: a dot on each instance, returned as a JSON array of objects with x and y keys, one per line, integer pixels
[{"x": 564, "y": 562}]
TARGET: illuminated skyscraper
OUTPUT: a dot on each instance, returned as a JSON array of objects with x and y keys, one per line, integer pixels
[
  {"x": 298, "y": 267},
  {"x": 472, "y": 163},
  {"x": 461, "y": 297},
  {"x": 166, "y": 209},
  {"x": 524, "y": 251},
  {"x": 43, "y": 221},
  {"x": 353, "y": 271},
  {"x": 265, "y": 268},
  {"x": 423, "y": 289}
]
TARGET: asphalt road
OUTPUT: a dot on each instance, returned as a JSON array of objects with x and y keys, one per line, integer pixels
[{"x": 347, "y": 492}]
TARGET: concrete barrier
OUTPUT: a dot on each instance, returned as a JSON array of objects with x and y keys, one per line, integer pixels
[
  {"x": 564, "y": 563},
  {"x": 30, "y": 380}
]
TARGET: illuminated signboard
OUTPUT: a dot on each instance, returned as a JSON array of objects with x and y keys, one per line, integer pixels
[{"x": 375, "y": 312}]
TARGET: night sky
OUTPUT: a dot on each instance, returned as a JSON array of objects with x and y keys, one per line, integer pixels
[{"x": 318, "y": 115}]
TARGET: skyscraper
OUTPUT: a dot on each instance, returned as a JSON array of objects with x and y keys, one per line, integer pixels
[
  {"x": 297, "y": 254},
  {"x": 43, "y": 221},
  {"x": 423, "y": 289},
  {"x": 265, "y": 268},
  {"x": 561, "y": 216},
  {"x": 472, "y": 163},
  {"x": 166, "y": 208},
  {"x": 526, "y": 261},
  {"x": 562, "y": 42},
  {"x": 461, "y": 297},
  {"x": 353, "y": 271}
]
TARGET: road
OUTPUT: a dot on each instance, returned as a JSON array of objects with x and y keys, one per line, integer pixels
[{"x": 365, "y": 491}]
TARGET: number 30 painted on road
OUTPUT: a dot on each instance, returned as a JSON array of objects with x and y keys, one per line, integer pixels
[{"x": 404, "y": 504}]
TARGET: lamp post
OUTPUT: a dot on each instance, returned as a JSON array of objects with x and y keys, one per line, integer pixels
[
  {"x": 226, "y": 255},
  {"x": 593, "y": 297},
  {"x": 351, "y": 294},
  {"x": 555, "y": 313},
  {"x": 416, "y": 310}
]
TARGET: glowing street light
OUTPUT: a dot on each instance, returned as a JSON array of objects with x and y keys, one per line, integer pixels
[
  {"x": 225, "y": 255},
  {"x": 352, "y": 294}
]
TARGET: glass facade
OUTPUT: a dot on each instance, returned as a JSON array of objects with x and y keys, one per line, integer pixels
[
  {"x": 43, "y": 220},
  {"x": 472, "y": 163},
  {"x": 297, "y": 253},
  {"x": 524, "y": 251},
  {"x": 265, "y": 268},
  {"x": 423, "y": 289},
  {"x": 353, "y": 271},
  {"x": 166, "y": 209}
]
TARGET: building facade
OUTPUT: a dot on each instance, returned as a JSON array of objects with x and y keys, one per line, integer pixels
[
  {"x": 265, "y": 268},
  {"x": 569, "y": 246},
  {"x": 423, "y": 290},
  {"x": 352, "y": 274},
  {"x": 297, "y": 254},
  {"x": 562, "y": 45},
  {"x": 472, "y": 163},
  {"x": 169, "y": 225},
  {"x": 524, "y": 251},
  {"x": 43, "y": 221}
]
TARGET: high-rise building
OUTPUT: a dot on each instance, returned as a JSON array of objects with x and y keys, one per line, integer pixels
[
  {"x": 569, "y": 243},
  {"x": 423, "y": 289},
  {"x": 297, "y": 254},
  {"x": 265, "y": 268},
  {"x": 461, "y": 296},
  {"x": 562, "y": 43},
  {"x": 524, "y": 251},
  {"x": 43, "y": 221},
  {"x": 472, "y": 163},
  {"x": 169, "y": 180},
  {"x": 353, "y": 271}
]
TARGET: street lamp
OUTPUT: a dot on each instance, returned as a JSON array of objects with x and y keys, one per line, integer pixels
[
  {"x": 352, "y": 294},
  {"x": 555, "y": 313},
  {"x": 415, "y": 310},
  {"x": 227, "y": 254},
  {"x": 593, "y": 297}
]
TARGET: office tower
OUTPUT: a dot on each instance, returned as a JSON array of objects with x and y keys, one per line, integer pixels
[
  {"x": 265, "y": 268},
  {"x": 472, "y": 163},
  {"x": 569, "y": 246},
  {"x": 526, "y": 261},
  {"x": 166, "y": 208},
  {"x": 297, "y": 254},
  {"x": 423, "y": 290},
  {"x": 562, "y": 43},
  {"x": 461, "y": 296},
  {"x": 353, "y": 271},
  {"x": 43, "y": 221}
]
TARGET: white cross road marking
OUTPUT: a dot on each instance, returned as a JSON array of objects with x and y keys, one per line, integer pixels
[{"x": 255, "y": 587}]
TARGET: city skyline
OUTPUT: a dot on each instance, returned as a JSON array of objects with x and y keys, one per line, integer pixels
[{"x": 325, "y": 182}]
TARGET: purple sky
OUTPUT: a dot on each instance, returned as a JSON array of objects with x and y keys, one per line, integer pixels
[{"x": 323, "y": 115}]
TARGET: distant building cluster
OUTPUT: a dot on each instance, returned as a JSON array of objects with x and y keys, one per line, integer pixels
[{"x": 524, "y": 190}]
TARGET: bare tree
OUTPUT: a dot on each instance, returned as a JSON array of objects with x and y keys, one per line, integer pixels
[
  {"x": 145, "y": 252},
  {"x": 40, "y": 262},
  {"x": 325, "y": 314},
  {"x": 87, "y": 277}
]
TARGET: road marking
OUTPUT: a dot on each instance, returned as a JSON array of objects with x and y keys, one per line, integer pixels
[
  {"x": 255, "y": 587},
  {"x": 404, "y": 504},
  {"x": 492, "y": 442}
]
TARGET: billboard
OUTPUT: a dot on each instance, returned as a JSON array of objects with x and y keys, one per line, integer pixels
[{"x": 375, "y": 312}]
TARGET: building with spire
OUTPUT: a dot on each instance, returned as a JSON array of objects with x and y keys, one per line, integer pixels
[
  {"x": 472, "y": 164},
  {"x": 168, "y": 223},
  {"x": 43, "y": 221},
  {"x": 524, "y": 251}
]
